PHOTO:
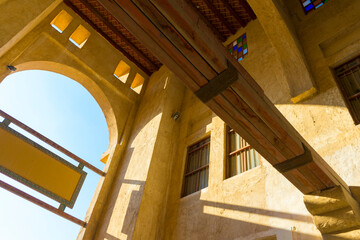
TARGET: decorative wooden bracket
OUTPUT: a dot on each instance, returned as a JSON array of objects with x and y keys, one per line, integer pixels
[
  {"x": 295, "y": 162},
  {"x": 218, "y": 84}
]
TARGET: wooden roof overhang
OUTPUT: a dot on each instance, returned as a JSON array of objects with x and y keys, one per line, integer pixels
[
  {"x": 224, "y": 17},
  {"x": 115, "y": 33},
  {"x": 175, "y": 32}
]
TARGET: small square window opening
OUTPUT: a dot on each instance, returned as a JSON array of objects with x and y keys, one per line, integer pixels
[
  {"x": 61, "y": 21},
  {"x": 137, "y": 83},
  {"x": 79, "y": 36},
  {"x": 122, "y": 71}
]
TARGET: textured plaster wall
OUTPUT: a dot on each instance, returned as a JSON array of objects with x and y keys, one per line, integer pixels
[
  {"x": 136, "y": 205},
  {"x": 275, "y": 21},
  {"x": 329, "y": 37},
  {"x": 28, "y": 42},
  {"x": 145, "y": 200},
  {"x": 42, "y": 47},
  {"x": 15, "y": 18},
  {"x": 261, "y": 202},
  {"x": 248, "y": 206}
]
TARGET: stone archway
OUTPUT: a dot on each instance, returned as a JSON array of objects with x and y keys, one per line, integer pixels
[{"x": 86, "y": 82}]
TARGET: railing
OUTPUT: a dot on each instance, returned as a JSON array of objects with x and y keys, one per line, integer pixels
[
  {"x": 10, "y": 119},
  {"x": 59, "y": 211},
  {"x": 42, "y": 204}
]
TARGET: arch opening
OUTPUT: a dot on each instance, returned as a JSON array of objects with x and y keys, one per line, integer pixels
[{"x": 44, "y": 103}]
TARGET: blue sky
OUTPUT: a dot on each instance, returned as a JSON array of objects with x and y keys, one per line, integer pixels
[{"x": 64, "y": 111}]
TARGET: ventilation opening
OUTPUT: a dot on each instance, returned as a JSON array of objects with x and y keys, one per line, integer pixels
[
  {"x": 137, "y": 83},
  {"x": 61, "y": 21},
  {"x": 79, "y": 36},
  {"x": 122, "y": 71}
]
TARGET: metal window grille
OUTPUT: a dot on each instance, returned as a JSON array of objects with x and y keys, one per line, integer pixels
[
  {"x": 240, "y": 155},
  {"x": 348, "y": 80},
  {"x": 197, "y": 167}
]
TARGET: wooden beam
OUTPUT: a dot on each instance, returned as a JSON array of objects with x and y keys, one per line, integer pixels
[
  {"x": 243, "y": 106},
  {"x": 155, "y": 45},
  {"x": 215, "y": 31},
  {"x": 118, "y": 33},
  {"x": 219, "y": 16},
  {"x": 219, "y": 65},
  {"x": 295, "y": 162},
  {"x": 194, "y": 28},
  {"x": 136, "y": 14},
  {"x": 217, "y": 84},
  {"x": 166, "y": 28}
]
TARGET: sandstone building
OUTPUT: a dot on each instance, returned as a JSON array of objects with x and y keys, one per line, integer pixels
[{"x": 174, "y": 168}]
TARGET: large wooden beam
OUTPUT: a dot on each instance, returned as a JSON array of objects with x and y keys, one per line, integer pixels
[
  {"x": 117, "y": 32},
  {"x": 174, "y": 33}
]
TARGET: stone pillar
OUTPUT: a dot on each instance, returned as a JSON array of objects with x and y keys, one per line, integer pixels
[
  {"x": 136, "y": 206},
  {"x": 275, "y": 20},
  {"x": 217, "y": 169}
]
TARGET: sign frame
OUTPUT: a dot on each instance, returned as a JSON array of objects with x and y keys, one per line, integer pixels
[{"x": 68, "y": 203}]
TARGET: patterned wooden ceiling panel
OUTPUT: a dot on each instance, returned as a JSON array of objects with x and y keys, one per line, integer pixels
[
  {"x": 225, "y": 17},
  {"x": 112, "y": 30}
]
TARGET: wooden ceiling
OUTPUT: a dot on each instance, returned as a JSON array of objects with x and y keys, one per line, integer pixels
[
  {"x": 224, "y": 17},
  {"x": 114, "y": 32}
]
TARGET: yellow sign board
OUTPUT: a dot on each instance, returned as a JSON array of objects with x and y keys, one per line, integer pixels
[{"x": 38, "y": 168}]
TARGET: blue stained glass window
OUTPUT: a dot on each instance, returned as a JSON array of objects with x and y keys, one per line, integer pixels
[
  {"x": 238, "y": 48},
  {"x": 319, "y": 5},
  {"x": 307, "y": 2},
  {"x": 309, "y": 7}
]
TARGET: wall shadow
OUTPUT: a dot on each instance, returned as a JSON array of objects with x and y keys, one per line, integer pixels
[{"x": 244, "y": 224}]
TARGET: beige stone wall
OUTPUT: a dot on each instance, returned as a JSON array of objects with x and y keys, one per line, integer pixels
[
  {"x": 261, "y": 202},
  {"x": 255, "y": 204},
  {"x": 329, "y": 37},
  {"x": 142, "y": 198},
  {"x": 29, "y": 42},
  {"x": 137, "y": 203}
]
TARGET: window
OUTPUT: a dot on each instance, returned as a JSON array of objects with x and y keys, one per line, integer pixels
[
  {"x": 79, "y": 36},
  {"x": 122, "y": 71},
  {"x": 310, "y": 5},
  {"x": 238, "y": 48},
  {"x": 61, "y": 21},
  {"x": 240, "y": 155},
  {"x": 137, "y": 83},
  {"x": 348, "y": 80},
  {"x": 197, "y": 167}
]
